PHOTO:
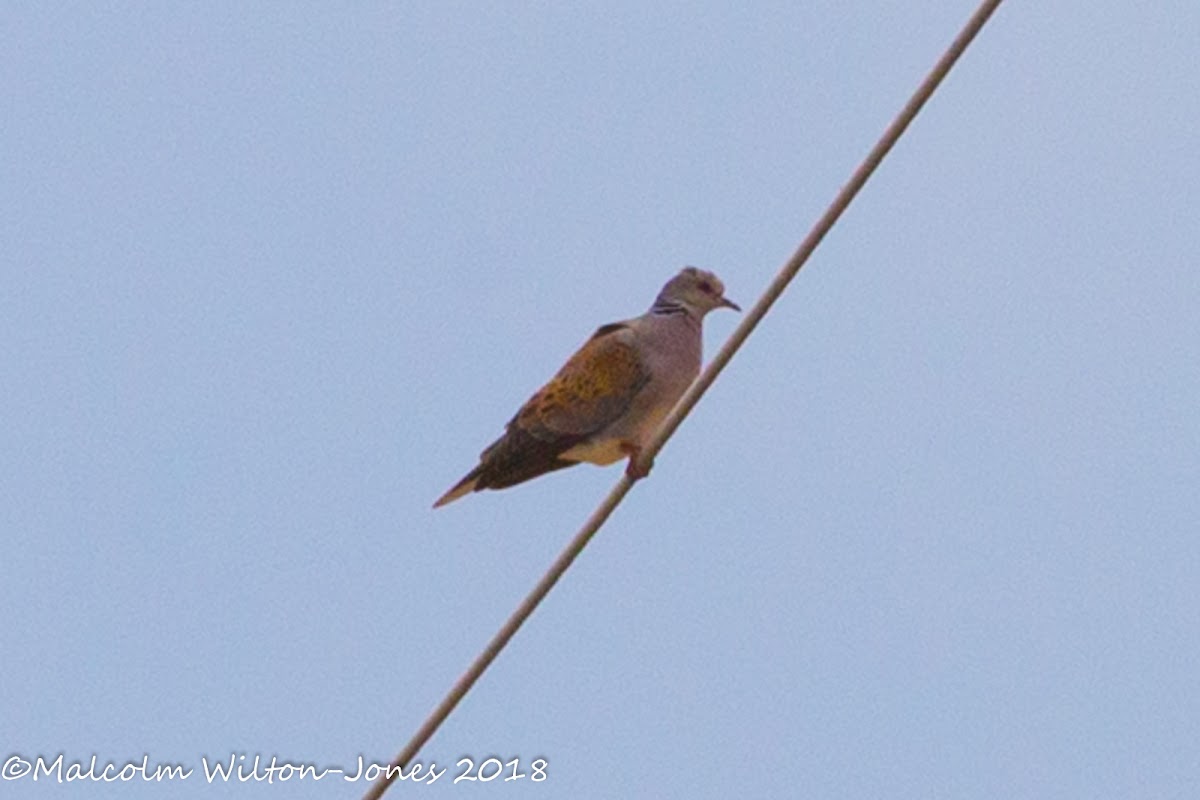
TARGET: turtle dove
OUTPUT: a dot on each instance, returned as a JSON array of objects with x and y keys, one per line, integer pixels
[{"x": 608, "y": 399}]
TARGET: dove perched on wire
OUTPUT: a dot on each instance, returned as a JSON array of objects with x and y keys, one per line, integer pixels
[{"x": 608, "y": 399}]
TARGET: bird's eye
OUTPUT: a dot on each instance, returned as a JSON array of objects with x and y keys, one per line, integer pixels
[{"x": 706, "y": 287}]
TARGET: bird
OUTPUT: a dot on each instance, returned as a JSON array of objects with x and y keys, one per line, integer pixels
[{"x": 608, "y": 399}]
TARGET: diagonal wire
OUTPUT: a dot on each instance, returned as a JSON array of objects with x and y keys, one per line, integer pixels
[{"x": 691, "y": 396}]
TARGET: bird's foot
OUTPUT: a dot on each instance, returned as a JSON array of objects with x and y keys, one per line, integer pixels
[{"x": 636, "y": 469}]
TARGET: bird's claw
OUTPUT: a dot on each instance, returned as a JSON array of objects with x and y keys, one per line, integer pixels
[{"x": 636, "y": 469}]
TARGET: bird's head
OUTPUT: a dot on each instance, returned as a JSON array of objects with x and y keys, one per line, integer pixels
[{"x": 697, "y": 289}]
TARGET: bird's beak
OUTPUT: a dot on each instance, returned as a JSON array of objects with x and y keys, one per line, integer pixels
[{"x": 727, "y": 303}]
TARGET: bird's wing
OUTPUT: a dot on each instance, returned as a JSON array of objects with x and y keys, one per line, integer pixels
[{"x": 592, "y": 390}]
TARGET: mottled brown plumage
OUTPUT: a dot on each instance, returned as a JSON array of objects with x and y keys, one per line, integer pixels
[{"x": 609, "y": 396}]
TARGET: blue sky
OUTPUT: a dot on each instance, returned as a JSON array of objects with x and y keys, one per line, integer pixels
[{"x": 273, "y": 276}]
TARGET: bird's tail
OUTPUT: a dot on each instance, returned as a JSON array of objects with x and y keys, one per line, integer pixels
[{"x": 463, "y": 487}]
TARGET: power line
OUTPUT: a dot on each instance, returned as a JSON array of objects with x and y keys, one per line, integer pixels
[{"x": 823, "y": 225}]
